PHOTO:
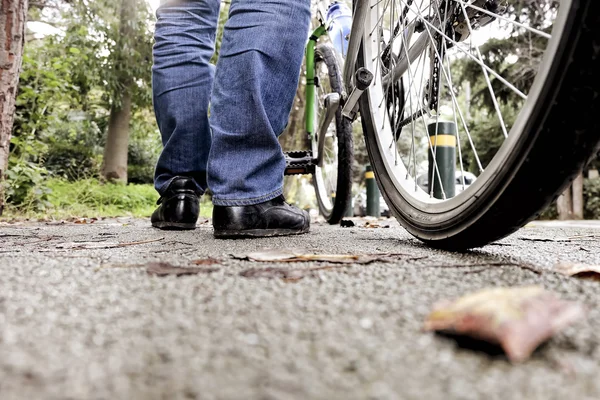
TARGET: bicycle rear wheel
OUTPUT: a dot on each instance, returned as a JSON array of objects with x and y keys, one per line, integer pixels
[
  {"x": 518, "y": 83},
  {"x": 333, "y": 178}
]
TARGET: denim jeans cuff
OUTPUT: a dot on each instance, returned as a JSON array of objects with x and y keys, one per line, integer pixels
[
  {"x": 165, "y": 186},
  {"x": 247, "y": 202}
]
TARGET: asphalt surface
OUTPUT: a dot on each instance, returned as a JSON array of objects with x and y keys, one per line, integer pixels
[{"x": 90, "y": 323}]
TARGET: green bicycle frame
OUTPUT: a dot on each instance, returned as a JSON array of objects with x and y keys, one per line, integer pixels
[{"x": 310, "y": 80}]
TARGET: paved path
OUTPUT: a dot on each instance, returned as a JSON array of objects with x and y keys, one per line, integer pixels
[{"x": 81, "y": 323}]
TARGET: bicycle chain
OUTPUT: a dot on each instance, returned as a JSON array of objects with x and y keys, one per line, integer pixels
[
  {"x": 386, "y": 53},
  {"x": 438, "y": 51},
  {"x": 435, "y": 75}
]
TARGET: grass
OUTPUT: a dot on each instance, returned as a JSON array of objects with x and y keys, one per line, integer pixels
[{"x": 90, "y": 198}]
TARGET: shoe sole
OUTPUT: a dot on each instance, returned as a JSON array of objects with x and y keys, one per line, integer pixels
[
  {"x": 258, "y": 233},
  {"x": 174, "y": 226}
]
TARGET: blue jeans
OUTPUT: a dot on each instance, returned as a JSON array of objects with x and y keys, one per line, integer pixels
[{"x": 235, "y": 152}]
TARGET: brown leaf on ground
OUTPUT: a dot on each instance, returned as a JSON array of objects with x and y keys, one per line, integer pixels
[
  {"x": 165, "y": 269},
  {"x": 277, "y": 255},
  {"x": 76, "y": 220},
  {"x": 517, "y": 319},
  {"x": 206, "y": 261},
  {"x": 287, "y": 274},
  {"x": 54, "y": 223},
  {"x": 87, "y": 245},
  {"x": 577, "y": 238},
  {"x": 101, "y": 244},
  {"x": 579, "y": 270},
  {"x": 374, "y": 225},
  {"x": 487, "y": 264}
]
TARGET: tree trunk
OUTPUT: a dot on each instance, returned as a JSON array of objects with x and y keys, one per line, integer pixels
[
  {"x": 570, "y": 204},
  {"x": 577, "y": 193},
  {"x": 117, "y": 138},
  {"x": 117, "y": 141},
  {"x": 564, "y": 205},
  {"x": 13, "y": 17}
]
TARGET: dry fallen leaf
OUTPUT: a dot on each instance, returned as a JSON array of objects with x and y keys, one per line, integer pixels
[
  {"x": 517, "y": 319},
  {"x": 101, "y": 244},
  {"x": 77, "y": 220},
  {"x": 287, "y": 274},
  {"x": 206, "y": 261},
  {"x": 283, "y": 273},
  {"x": 87, "y": 245},
  {"x": 165, "y": 269},
  {"x": 278, "y": 255},
  {"x": 579, "y": 270},
  {"x": 375, "y": 225}
]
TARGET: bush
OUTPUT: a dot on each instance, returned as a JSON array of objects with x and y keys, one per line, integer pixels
[
  {"x": 142, "y": 157},
  {"x": 144, "y": 148},
  {"x": 26, "y": 176},
  {"x": 591, "y": 199},
  {"x": 91, "y": 198},
  {"x": 591, "y": 195},
  {"x": 25, "y": 186},
  {"x": 550, "y": 213},
  {"x": 74, "y": 148}
]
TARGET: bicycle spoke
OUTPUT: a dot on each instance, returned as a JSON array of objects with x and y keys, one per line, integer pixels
[
  {"x": 426, "y": 56},
  {"x": 476, "y": 60},
  {"x": 438, "y": 94},
  {"x": 460, "y": 158},
  {"x": 520, "y": 25},
  {"x": 493, "y": 95},
  {"x": 485, "y": 74},
  {"x": 435, "y": 167},
  {"x": 455, "y": 101},
  {"x": 469, "y": 82},
  {"x": 393, "y": 85}
]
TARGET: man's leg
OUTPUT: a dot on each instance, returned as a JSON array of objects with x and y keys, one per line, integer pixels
[
  {"x": 182, "y": 80},
  {"x": 256, "y": 81},
  {"x": 255, "y": 84}
]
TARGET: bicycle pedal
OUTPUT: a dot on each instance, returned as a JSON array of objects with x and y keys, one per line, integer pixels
[
  {"x": 363, "y": 79},
  {"x": 299, "y": 162}
]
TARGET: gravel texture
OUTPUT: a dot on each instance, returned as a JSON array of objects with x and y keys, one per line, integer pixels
[{"x": 85, "y": 323}]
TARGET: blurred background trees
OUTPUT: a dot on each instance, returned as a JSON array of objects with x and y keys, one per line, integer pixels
[{"x": 83, "y": 111}]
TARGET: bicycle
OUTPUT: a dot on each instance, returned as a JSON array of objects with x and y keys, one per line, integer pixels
[
  {"x": 405, "y": 73},
  {"x": 330, "y": 157}
]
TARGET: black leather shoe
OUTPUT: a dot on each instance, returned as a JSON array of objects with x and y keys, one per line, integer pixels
[
  {"x": 179, "y": 206},
  {"x": 272, "y": 218}
]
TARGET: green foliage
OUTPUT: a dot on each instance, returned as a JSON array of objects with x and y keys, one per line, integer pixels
[
  {"x": 144, "y": 149},
  {"x": 591, "y": 196},
  {"x": 516, "y": 56},
  {"x": 26, "y": 189},
  {"x": 90, "y": 198},
  {"x": 74, "y": 148},
  {"x": 69, "y": 82},
  {"x": 487, "y": 137},
  {"x": 550, "y": 213},
  {"x": 591, "y": 199}
]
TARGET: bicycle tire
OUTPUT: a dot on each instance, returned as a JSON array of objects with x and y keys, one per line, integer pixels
[
  {"x": 334, "y": 211},
  {"x": 544, "y": 156}
]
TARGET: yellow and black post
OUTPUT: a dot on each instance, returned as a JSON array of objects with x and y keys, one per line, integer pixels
[
  {"x": 372, "y": 193},
  {"x": 442, "y": 136}
]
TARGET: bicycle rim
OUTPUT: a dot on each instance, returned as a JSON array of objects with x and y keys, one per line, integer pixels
[
  {"x": 332, "y": 178},
  {"x": 404, "y": 147}
]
